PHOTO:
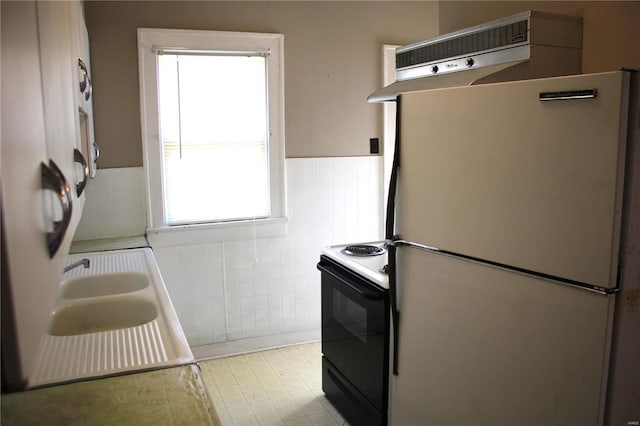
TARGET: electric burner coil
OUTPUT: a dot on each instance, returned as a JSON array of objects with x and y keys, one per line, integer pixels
[{"x": 363, "y": 250}]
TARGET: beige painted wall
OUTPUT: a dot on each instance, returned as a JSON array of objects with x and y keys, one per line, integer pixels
[
  {"x": 610, "y": 34},
  {"x": 332, "y": 57},
  {"x": 333, "y": 62}
]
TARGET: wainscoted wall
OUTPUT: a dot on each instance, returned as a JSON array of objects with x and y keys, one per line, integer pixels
[
  {"x": 114, "y": 205},
  {"x": 234, "y": 296}
]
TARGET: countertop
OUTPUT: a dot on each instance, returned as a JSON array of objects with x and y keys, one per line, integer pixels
[
  {"x": 107, "y": 244},
  {"x": 171, "y": 396}
]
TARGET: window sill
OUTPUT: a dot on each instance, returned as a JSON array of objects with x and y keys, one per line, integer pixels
[{"x": 216, "y": 232}]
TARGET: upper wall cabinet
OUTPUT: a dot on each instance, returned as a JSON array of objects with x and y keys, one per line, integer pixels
[
  {"x": 40, "y": 174},
  {"x": 83, "y": 87},
  {"x": 63, "y": 39},
  {"x": 54, "y": 27}
]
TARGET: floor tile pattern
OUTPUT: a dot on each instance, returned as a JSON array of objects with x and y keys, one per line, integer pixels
[{"x": 275, "y": 387}]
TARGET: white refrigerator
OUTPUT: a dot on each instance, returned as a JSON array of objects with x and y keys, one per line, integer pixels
[{"x": 511, "y": 247}]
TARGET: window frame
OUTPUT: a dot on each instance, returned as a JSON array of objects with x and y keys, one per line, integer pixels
[{"x": 149, "y": 39}]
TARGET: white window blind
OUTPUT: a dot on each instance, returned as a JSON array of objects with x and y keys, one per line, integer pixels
[{"x": 214, "y": 136}]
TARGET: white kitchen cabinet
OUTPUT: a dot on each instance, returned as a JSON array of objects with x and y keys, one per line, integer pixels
[
  {"x": 58, "y": 65},
  {"x": 83, "y": 87},
  {"x": 38, "y": 131}
]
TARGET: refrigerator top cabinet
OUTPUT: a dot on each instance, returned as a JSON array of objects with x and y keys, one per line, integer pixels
[{"x": 527, "y": 174}]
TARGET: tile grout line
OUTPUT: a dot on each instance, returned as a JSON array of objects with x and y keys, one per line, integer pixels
[{"x": 274, "y": 387}]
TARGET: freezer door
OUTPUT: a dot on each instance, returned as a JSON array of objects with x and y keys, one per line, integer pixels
[
  {"x": 485, "y": 346},
  {"x": 497, "y": 173}
]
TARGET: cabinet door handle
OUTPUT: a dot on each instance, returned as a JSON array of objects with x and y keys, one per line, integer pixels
[
  {"x": 85, "y": 75},
  {"x": 79, "y": 158},
  {"x": 89, "y": 92},
  {"x": 53, "y": 180},
  {"x": 97, "y": 152}
]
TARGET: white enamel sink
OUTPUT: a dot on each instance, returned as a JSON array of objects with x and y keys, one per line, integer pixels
[
  {"x": 113, "y": 317},
  {"x": 101, "y": 315},
  {"x": 104, "y": 285}
]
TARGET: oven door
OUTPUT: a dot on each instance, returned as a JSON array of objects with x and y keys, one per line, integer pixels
[{"x": 355, "y": 330}]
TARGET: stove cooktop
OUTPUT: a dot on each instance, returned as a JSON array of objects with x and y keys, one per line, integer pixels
[
  {"x": 369, "y": 266},
  {"x": 363, "y": 250}
]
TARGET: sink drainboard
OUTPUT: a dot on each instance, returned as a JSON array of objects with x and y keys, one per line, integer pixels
[
  {"x": 102, "y": 353},
  {"x": 84, "y": 342}
]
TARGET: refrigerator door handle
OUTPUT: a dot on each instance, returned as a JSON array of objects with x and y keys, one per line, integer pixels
[
  {"x": 393, "y": 180},
  {"x": 390, "y": 237},
  {"x": 604, "y": 291},
  {"x": 396, "y": 241},
  {"x": 393, "y": 301},
  {"x": 568, "y": 95}
]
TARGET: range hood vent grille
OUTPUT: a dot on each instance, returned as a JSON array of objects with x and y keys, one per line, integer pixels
[
  {"x": 492, "y": 38},
  {"x": 527, "y": 45}
]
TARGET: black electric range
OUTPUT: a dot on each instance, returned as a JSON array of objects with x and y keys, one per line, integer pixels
[{"x": 355, "y": 331}]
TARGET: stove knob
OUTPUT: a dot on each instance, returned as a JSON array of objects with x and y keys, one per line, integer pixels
[
  {"x": 469, "y": 62},
  {"x": 434, "y": 69}
]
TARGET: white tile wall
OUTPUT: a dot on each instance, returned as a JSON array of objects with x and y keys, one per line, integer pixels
[
  {"x": 245, "y": 289},
  {"x": 194, "y": 276},
  {"x": 114, "y": 205}
]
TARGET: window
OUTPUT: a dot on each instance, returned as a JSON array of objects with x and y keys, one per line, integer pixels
[
  {"x": 213, "y": 132},
  {"x": 212, "y": 126}
]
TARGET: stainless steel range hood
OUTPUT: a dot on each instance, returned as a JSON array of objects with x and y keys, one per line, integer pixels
[{"x": 523, "y": 46}]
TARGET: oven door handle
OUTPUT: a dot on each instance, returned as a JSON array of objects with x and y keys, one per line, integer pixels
[{"x": 364, "y": 294}]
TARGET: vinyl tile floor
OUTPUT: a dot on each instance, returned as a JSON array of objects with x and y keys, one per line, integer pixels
[{"x": 275, "y": 387}]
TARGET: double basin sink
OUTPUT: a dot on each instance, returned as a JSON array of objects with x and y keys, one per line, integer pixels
[
  {"x": 101, "y": 313},
  {"x": 110, "y": 318}
]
